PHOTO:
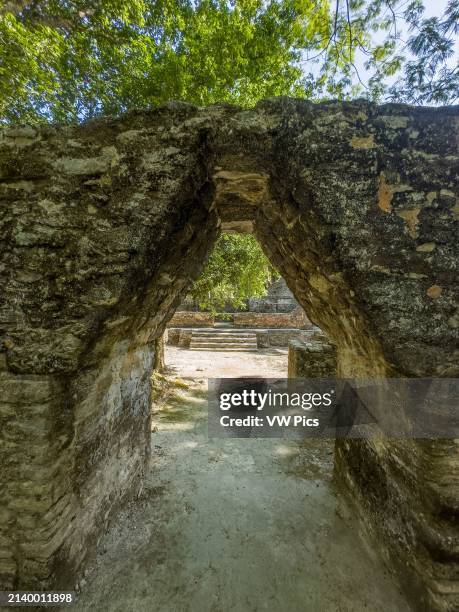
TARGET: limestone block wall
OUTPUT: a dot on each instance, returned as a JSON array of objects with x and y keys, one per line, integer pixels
[
  {"x": 278, "y": 299},
  {"x": 295, "y": 318},
  {"x": 36, "y": 467},
  {"x": 394, "y": 503},
  {"x": 266, "y": 338},
  {"x": 184, "y": 318},
  {"x": 311, "y": 357},
  {"x": 95, "y": 225},
  {"x": 405, "y": 493},
  {"x": 104, "y": 225}
]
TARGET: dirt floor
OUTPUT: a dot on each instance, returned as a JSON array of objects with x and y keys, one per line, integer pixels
[
  {"x": 269, "y": 363},
  {"x": 234, "y": 525}
]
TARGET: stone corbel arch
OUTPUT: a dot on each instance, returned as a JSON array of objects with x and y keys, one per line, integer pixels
[{"x": 105, "y": 224}]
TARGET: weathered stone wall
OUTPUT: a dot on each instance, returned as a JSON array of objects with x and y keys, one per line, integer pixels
[
  {"x": 180, "y": 336},
  {"x": 104, "y": 225},
  {"x": 311, "y": 357},
  {"x": 278, "y": 299},
  {"x": 405, "y": 493},
  {"x": 277, "y": 337},
  {"x": 35, "y": 467},
  {"x": 185, "y": 318},
  {"x": 295, "y": 318}
]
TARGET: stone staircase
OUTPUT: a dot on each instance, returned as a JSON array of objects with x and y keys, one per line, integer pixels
[{"x": 223, "y": 340}]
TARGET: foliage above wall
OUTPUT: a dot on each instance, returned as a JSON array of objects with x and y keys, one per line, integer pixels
[{"x": 68, "y": 60}]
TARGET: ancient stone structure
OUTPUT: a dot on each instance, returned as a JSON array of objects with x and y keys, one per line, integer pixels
[
  {"x": 193, "y": 318},
  {"x": 279, "y": 298},
  {"x": 294, "y": 319},
  {"x": 104, "y": 225},
  {"x": 312, "y": 356},
  {"x": 184, "y": 318},
  {"x": 265, "y": 337}
]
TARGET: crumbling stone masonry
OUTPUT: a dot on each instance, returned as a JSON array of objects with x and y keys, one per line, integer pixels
[
  {"x": 104, "y": 225},
  {"x": 279, "y": 298},
  {"x": 311, "y": 356}
]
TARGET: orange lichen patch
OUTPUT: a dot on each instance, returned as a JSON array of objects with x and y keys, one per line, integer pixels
[
  {"x": 434, "y": 291},
  {"x": 410, "y": 216},
  {"x": 385, "y": 194}
]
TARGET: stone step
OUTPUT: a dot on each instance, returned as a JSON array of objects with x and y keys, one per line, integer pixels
[
  {"x": 225, "y": 334},
  {"x": 223, "y": 348},
  {"x": 229, "y": 340},
  {"x": 223, "y": 342},
  {"x": 217, "y": 342},
  {"x": 223, "y": 338}
]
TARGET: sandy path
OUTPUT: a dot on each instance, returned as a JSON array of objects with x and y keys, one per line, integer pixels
[
  {"x": 235, "y": 525},
  {"x": 268, "y": 363}
]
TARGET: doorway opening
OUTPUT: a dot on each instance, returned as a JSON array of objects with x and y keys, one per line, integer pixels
[
  {"x": 260, "y": 514},
  {"x": 238, "y": 317}
]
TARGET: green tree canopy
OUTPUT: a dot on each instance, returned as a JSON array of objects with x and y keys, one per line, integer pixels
[
  {"x": 431, "y": 75},
  {"x": 237, "y": 270},
  {"x": 68, "y": 60}
]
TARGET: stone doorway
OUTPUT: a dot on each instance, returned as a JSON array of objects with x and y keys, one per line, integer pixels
[{"x": 106, "y": 225}]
